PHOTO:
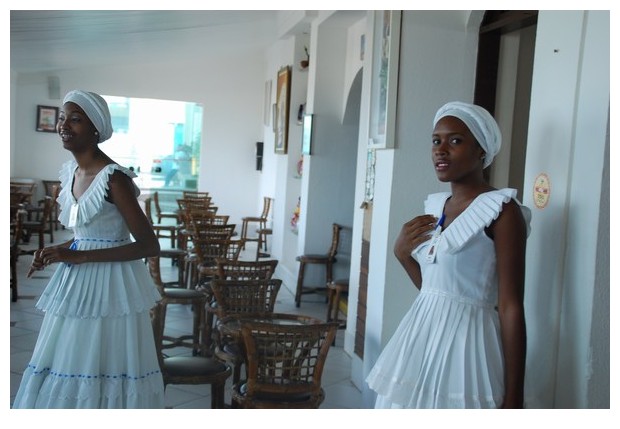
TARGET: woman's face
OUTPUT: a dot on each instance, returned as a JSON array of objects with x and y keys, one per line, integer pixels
[
  {"x": 75, "y": 128},
  {"x": 455, "y": 152}
]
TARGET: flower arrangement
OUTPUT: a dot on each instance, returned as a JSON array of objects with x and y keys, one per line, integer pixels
[{"x": 295, "y": 218}]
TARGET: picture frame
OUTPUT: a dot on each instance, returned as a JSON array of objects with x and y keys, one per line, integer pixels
[
  {"x": 47, "y": 117},
  {"x": 384, "y": 77},
  {"x": 306, "y": 134},
  {"x": 283, "y": 101}
]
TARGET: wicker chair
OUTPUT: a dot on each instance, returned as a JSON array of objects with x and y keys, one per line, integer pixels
[
  {"x": 228, "y": 269},
  {"x": 284, "y": 363},
  {"x": 189, "y": 369},
  {"x": 327, "y": 260},
  {"x": 186, "y": 206},
  {"x": 205, "y": 252},
  {"x": 202, "y": 217},
  {"x": 195, "y": 194},
  {"x": 182, "y": 296},
  {"x": 237, "y": 299},
  {"x": 161, "y": 230},
  {"x": 261, "y": 220},
  {"x": 41, "y": 224},
  {"x": 17, "y": 219},
  {"x": 162, "y": 214},
  {"x": 52, "y": 189}
]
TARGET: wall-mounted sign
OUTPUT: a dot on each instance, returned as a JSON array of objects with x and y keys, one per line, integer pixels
[{"x": 542, "y": 191}]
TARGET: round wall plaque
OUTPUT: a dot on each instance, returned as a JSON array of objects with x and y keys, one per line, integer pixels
[{"x": 542, "y": 191}]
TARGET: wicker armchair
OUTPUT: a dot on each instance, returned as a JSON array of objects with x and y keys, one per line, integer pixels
[
  {"x": 228, "y": 269},
  {"x": 206, "y": 251},
  {"x": 285, "y": 363},
  {"x": 237, "y": 299}
]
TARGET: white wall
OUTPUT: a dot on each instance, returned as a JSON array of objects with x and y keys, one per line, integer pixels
[
  {"x": 327, "y": 185},
  {"x": 566, "y": 140},
  {"x": 286, "y": 190}
]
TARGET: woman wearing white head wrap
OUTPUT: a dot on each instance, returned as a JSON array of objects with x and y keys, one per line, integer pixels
[
  {"x": 479, "y": 121},
  {"x": 95, "y": 108},
  {"x": 96, "y": 347},
  {"x": 462, "y": 342}
]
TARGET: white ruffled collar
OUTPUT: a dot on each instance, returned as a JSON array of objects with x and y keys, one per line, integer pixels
[
  {"x": 480, "y": 213},
  {"x": 92, "y": 200}
]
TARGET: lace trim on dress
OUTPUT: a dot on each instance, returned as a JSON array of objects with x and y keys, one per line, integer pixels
[
  {"x": 93, "y": 199},
  {"x": 478, "y": 215}
]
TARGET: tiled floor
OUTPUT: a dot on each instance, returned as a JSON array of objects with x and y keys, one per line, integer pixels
[{"x": 26, "y": 321}]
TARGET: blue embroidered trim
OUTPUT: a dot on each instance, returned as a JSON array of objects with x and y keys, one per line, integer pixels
[
  {"x": 102, "y": 240},
  {"x": 87, "y": 376}
]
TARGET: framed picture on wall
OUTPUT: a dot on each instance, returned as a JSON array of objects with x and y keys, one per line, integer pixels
[
  {"x": 47, "y": 116},
  {"x": 384, "y": 78},
  {"x": 283, "y": 101}
]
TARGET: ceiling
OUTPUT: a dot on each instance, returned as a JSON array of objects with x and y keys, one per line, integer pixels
[{"x": 57, "y": 39}]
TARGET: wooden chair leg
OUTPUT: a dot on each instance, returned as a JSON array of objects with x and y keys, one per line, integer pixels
[
  {"x": 217, "y": 395},
  {"x": 300, "y": 281}
]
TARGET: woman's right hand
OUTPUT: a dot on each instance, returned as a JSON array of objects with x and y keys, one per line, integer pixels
[
  {"x": 412, "y": 234},
  {"x": 37, "y": 263}
]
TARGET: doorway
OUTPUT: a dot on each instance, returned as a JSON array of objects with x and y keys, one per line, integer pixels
[{"x": 503, "y": 86}]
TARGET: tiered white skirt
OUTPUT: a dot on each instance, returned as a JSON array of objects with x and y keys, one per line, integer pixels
[{"x": 95, "y": 347}]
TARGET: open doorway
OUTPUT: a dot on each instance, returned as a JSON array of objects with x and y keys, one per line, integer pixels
[{"x": 503, "y": 87}]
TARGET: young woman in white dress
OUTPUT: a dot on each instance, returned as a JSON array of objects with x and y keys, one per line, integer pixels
[
  {"x": 462, "y": 344},
  {"x": 95, "y": 347}
]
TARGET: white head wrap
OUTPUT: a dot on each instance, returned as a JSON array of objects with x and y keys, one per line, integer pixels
[
  {"x": 479, "y": 121},
  {"x": 95, "y": 108}
]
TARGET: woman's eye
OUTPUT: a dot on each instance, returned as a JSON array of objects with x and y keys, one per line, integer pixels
[
  {"x": 455, "y": 140},
  {"x": 435, "y": 142}
]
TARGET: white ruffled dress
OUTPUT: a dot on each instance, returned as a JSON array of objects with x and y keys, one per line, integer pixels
[
  {"x": 447, "y": 350},
  {"x": 95, "y": 347}
]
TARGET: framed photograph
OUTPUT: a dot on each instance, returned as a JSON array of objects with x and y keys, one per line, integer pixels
[
  {"x": 47, "y": 116},
  {"x": 283, "y": 101},
  {"x": 384, "y": 78},
  {"x": 306, "y": 135}
]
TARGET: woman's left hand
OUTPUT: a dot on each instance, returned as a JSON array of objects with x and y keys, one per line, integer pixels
[{"x": 52, "y": 255}]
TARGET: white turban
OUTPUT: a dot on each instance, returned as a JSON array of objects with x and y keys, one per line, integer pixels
[
  {"x": 479, "y": 121},
  {"x": 95, "y": 108}
]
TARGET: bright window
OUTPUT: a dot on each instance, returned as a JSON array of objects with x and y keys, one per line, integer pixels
[{"x": 159, "y": 139}]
